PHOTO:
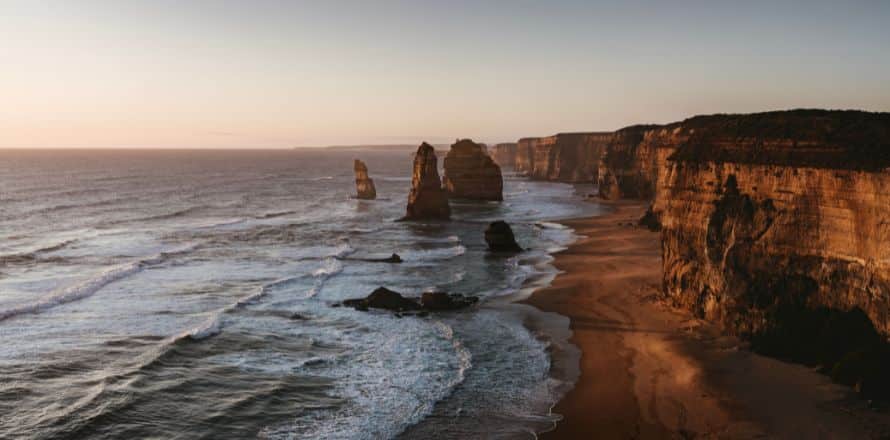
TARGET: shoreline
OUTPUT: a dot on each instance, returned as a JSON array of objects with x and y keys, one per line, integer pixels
[{"x": 648, "y": 370}]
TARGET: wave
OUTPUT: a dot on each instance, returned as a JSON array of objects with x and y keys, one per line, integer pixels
[
  {"x": 208, "y": 328},
  {"x": 90, "y": 286},
  {"x": 275, "y": 214},
  {"x": 331, "y": 267},
  {"x": 342, "y": 250},
  {"x": 465, "y": 358},
  {"x": 433, "y": 254},
  {"x": 174, "y": 214},
  {"x": 34, "y": 255}
]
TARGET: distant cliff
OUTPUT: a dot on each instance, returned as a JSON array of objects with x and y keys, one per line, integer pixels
[
  {"x": 564, "y": 157},
  {"x": 525, "y": 155},
  {"x": 505, "y": 154}
]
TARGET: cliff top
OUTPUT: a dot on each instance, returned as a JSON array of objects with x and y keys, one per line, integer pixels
[{"x": 815, "y": 138}]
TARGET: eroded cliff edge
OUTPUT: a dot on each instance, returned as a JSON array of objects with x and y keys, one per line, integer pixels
[{"x": 777, "y": 227}]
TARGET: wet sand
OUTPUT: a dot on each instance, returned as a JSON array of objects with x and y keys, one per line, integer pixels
[{"x": 650, "y": 371}]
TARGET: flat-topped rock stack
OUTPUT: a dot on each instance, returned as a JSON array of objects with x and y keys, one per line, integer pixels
[{"x": 470, "y": 173}]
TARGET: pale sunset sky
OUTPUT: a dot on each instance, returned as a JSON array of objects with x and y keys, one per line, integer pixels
[{"x": 279, "y": 74}]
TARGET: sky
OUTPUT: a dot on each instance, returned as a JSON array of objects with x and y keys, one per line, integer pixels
[{"x": 281, "y": 74}]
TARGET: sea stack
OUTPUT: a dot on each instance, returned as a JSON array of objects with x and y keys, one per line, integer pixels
[
  {"x": 427, "y": 199},
  {"x": 470, "y": 173},
  {"x": 364, "y": 185}
]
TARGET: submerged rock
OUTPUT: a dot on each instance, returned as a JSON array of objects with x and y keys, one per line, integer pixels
[
  {"x": 436, "y": 301},
  {"x": 470, "y": 173},
  {"x": 364, "y": 185},
  {"x": 394, "y": 258},
  {"x": 385, "y": 299},
  {"x": 499, "y": 237},
  {"x": 427, "y": 199}
]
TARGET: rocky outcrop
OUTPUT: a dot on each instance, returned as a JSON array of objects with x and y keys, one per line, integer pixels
[
  {"x": 777, "y": 226},
  {"x": 386, "y": 299},
  {"x": 364, "y": 186},
  {"x": 499, "y": 237},
  {"x": 470, "y": 173},
  {"x": 427, "y": 199},
  {"x": 505, "y": 154}
]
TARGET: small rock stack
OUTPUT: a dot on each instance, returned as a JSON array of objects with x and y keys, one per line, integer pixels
[{"x": 364, "y": 185}]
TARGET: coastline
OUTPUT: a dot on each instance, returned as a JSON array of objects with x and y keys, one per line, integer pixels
[{"x": 651, "y": 371}]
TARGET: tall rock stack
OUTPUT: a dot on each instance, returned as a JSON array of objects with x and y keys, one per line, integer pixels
[
  {"x": 364, "y": 186},
  {"x": 470, "y": 173},
  {"x": 427, "y": 199}
]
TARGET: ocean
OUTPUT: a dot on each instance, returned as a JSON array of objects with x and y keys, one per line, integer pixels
[{"x": 188, "y": 294}]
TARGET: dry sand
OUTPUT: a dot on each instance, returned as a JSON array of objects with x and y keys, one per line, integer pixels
[{"x": 650, "y": 371}]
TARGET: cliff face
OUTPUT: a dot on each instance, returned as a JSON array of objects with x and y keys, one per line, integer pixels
[
  {"x": 525, "y": 155},
  {"x": 505, "y": 154},
  {"x": 364, "y": 186},
  {"x": 567, "y": 157},
  {"x": 778, "y": 223},
  {"x": 470, "y": 173},
  {"x": 631, "y": 160},
  {"x": 427, "y": 199}
]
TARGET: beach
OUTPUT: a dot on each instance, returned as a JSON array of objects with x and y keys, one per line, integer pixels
[{"x": 648, "y": 370}]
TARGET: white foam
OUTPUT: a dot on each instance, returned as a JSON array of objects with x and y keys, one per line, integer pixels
[
  {"x": 207, "y": 329},
  {"x": 330, "y": 267},
  {"x": 433, "y": 254}
]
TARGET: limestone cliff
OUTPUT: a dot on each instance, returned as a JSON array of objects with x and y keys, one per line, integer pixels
[
  {"x": 565, "y": 157},
  {"x": 505, "y": 154},
  {"x": 427, "y": 199},
  {"x": 364, "y": 185},
  {"x": 525, "y": 155},
  {"x": 778, "y": 223},
  {"x": 631, "y": 159},
  {"x": 470, "y": 173}
]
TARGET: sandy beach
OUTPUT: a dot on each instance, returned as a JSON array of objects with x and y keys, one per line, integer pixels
[{"x": 651, "y": 371}]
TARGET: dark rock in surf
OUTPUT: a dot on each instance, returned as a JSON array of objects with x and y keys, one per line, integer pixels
[
  {"x": 499, "y": 237},
  {"x": 385, "y": 299},
  {"x": 394, "y": 258}
]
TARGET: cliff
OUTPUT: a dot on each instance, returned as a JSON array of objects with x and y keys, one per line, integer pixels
[
  {"x": 525, "y": 155},
  {"x": 630, "y": 161},
  {"x": 777, "y": 226},
  {"x": 470, "y": 173},
  {"x": 427, "y": 199},
  {"x": 364, "y": 185},
  {"x": 565, "y": 157},
  {"x": 505, "y": 154}
]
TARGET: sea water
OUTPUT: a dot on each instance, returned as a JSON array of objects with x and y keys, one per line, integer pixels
[{"x": 188, "y": 294}]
